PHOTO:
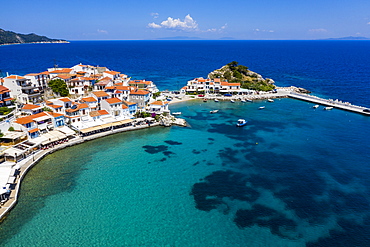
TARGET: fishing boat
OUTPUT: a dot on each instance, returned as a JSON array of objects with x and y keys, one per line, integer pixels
[
  {"x": 243, "y": 100},
  {"x": 204, "y": 100},
  {"x": 213, "y": 111},
  {"x": 261, "y": 107},
  {"x": 315, "y": 106},
  {"x": 270, "y": 100},
  {"x": 328, "y": 108},
  {"x": 232, "y": 101},
  {"x": 216, "y": 100},
  {"x": 249, "y": 100},
  {"x": 176, "y": 113},
  {"x": 241, "y": 123}
]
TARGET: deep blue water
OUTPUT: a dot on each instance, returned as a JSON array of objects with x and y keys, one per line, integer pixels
[
  {"x": 335, "y": 69},
  {"x": 294, "y": 176}
]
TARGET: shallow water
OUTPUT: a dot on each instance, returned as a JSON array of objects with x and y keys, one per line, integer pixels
[{"x": 294, "y": 176}]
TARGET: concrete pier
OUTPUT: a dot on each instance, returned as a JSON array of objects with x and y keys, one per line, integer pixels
[{"x": 331, "y": 103}]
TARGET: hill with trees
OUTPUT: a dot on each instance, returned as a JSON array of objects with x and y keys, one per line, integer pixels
[
  {"x": 235, "y": 73},
  {"x": 9, "y": 37}
]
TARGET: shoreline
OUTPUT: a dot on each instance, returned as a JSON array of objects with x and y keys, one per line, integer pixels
[
  {"x": 35, "y": 158},
  {"x": 41, "y": 42}
]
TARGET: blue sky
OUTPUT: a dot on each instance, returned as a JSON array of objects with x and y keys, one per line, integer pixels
[{"x": 203, "y": 19}]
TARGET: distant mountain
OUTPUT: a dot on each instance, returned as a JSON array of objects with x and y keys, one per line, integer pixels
[
  {"x": 349, "y": 38},
  {"x": 9, "y": 37}
]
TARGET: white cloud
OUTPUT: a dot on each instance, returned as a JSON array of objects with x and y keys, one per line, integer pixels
[
  {"x": 102, "y": 31},
  {"x": 155, "y": 15},
  {"x": 187, "y": 24},
  {"x": 368, "y": 23},
  {"x": 318, "y": 30},
  {"x": 153, "y": 25},
  {"x": 263, "y": 31}
]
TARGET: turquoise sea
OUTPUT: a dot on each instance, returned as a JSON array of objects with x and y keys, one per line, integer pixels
[{"x": 294, "y": 176}]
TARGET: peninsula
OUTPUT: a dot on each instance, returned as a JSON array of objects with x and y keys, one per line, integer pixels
[{"x": 10, "y": 38}]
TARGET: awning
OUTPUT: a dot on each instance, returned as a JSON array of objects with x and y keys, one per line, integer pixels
[
  {"x": 127, "y": 121},
  {"x": 103, "y": 126},
  {"x": 59, "y": 135},
  {"x": 87, "y": 130},
  {"x": 14, "y": 151},
  {"x": 42, "y": 118},
  {"x": 11, "y": 180},
  {"x": 65, "y": 130},
  {"x": 49, "y": 138}
]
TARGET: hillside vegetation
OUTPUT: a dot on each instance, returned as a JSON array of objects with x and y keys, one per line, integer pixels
[
  {"x": 9, "y": 37},
  {"x": 233, "y": 72}
]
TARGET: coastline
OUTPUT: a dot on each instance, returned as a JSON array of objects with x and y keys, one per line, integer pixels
[
  {"x": 41, "y": 42},
  {"x": 32, "y": 160}
]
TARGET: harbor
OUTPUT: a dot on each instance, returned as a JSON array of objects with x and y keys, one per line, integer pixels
[{"x": 331, "y": 103}]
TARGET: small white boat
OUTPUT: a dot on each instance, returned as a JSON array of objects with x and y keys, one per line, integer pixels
[
  {"x": 241, "y": 123},
  {"x": 261, "y": 107},
  {"x": 176, "y": 113},
  {"x": 328, "y": 108},
  {"x": 315, "y": 106},
  {"x": 270, "y": 100},
  {"x": 216, "y": 100},
  {"x": 249, "y": 100},
  {"x": 213, "y": 111},
  {"x": 243, "y": 100},
  {"x": 232, "y": 101}
]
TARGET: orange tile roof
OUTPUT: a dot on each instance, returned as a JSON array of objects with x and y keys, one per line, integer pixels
[
  {"x": 17, "y": 77},
  {"x": 100, "y": 94},
  {"x": 55, "y": 106},
  {"x": 64, "y": 76},
  {"x": 60, "y": 71},
  {"x": 124, "y": 106},
  {"x": 159, "y": 102},
  {"x": 32, "y": 74},
  {"x": 30, "y": 119},
  {"x": 30, "y": 107},
  {"x": 65, "y": 99},
  {"x": 129, "y": 103},
  {"x": 103, "y": 112},
  {"x": 3, "y": 89},
  {"x": 225, "y": 83},
  {"x": 140, "y": 82},
  {"x": 123, "y": 88},
  {"x": 112, "y": 72},
  {"x": 94, "y": 113},
  {"x": 45, "y": 73},
  {"x": 88, "y": 99},
  {"x": 113, "y": 100},
  {"x": 139, "y": 92},
  {"x": 33, "y": 130},
  {"x": 55, "y": 115}
]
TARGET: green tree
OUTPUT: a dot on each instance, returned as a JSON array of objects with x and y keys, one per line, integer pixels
[
  {"x": 11, "y": 129},
  {"x": 157, "y": 94},
  {"x": 59, "y": 86}
]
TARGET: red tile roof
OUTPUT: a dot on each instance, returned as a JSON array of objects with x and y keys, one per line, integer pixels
[
  {"x": 113, "y": 100},
  {"x": 30, "y": 107}
]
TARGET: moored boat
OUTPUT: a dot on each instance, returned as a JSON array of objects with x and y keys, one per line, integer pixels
[
  {"x": 328, "y": 108},
  {"x": 176, "y": 113},
  {"x": 216, "y": 100},
  {"x": 243, "y": 100},
  {"x": 270, "y": 100},
  {"x": 232, "y": 101},
  {"x": 213, "y": 111},
  {"x": 315, "y": 106},
  {"x": 261, "y": 107},
  {"x": 241, "y": 123}
]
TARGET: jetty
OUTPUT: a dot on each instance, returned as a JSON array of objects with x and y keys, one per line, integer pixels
[{"x": 330, "y": 103}]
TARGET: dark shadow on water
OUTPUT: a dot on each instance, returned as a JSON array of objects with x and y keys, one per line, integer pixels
[
  {"x": 208, "y": 195},
  {"x": 155, "y": 149}
]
